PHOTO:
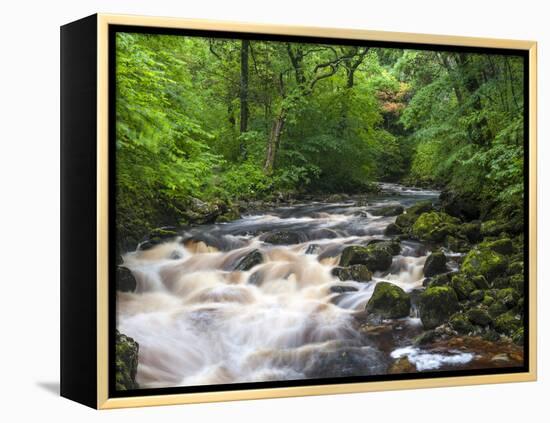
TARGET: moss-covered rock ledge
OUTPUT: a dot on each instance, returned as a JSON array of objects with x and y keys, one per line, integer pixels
[{"x": 126, "y": 362}]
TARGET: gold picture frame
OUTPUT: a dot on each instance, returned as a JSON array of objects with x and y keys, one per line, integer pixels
[{"x": 102, "y": 398}]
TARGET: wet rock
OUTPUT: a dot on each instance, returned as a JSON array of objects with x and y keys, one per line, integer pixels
[
  {"x": 392, "y": 229},
  {"x": 508, "y": 323},
  {"x": 125, "y": 280},
  {"x": 516, "y": 267},
  {"x": 438, "y": 280},
  {"x": 341, "y": 289},
  {"x": 493, "y": 228},
  {"x": 313, "y": 249},
  {"x": 517, "y": 282},
  {"x": 355, "y": 272},
  {"x": 485, "y": 262},
  {"x": 348, "y": 361},
  {"x": 437, "y": 304},
  {"x": 389, "y": 301},
  {"x": 392, "y": 247},
  {"x": 388, "y": 211},
  {"x": 283, "y": 238},
  {"x": 462, "y": 286},
  {"x": 434, "y": 226},
  {"x": 460, "y": 323},
  {"x": 435, "y": 264},
  {"x": 250, "y": 260},
  {"x": 479, "y": 316},
  {"x": 229, "y": 216},
  {"x": 324, "y": 233},
  {"x": 126, "y": 362},
  {"x": 163, "y": 233},
  {"x": 374, "y": 257},
  {"x": 406, "y": 221}
]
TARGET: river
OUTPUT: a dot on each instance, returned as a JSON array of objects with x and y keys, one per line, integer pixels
[{"x": 200, "y": 322}]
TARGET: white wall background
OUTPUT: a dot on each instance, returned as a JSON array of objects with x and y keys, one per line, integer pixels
[{"x": 29, "y": 245}]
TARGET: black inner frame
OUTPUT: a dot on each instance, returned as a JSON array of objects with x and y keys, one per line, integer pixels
[{"x": 114, "y": 29}]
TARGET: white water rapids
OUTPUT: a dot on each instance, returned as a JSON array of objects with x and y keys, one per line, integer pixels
[{"x": 198, "y": 321}]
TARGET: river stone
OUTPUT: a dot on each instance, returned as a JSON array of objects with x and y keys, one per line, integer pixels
[
  {"x": 250, "y": 260},
  {"x": 126, "y": 362},
  {"x": 485, "y": 262},
  {"x": 437, "y": 304},
  {"x": 125, "y": 280},
  {"x": 479, "y": 316},
  {"x": 420, "y": 207},
  {"x": 405, "y": 221},
  {"x": 388, "y": 301},
  {"x": 434, "y": 226},
  {"x": 341, "y": 289},
  {"x": 508, "y": 296},
  {"x": 200, "y": 212},
  {"x": 388, "y": 211},
  {"x": 435, "y": 264},
  {"x": 392, "y": 229},
  {"x": 471, "y": 231},
  {"x": 375, "y": 258},
  {"x": 355, "y": 272},
  {"x": 282, "y": 238}
]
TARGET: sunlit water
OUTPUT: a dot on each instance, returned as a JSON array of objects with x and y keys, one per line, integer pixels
[{"x": 197, "y": 321}]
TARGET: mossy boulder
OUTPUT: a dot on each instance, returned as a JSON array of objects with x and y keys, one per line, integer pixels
[
  {"x": 434, "y": 226},
  {"x": 485, "y": 262},
  {"x": 480, "y": 282},
  {"x": 374, "y": 257},
  {"x": 435, "y": 264},
  {"x": 393, "y": 247},
  {"x": 388, "y": 301},
  {"x": 126, "y": 362},
  {"x": 393, "y": 229},
  {"x": 355, "y": 272},
  {"x": 508, "y": 323},
  {"x": 516, "y": 267},
  {"x": 229, "y": 216},
  {"x": 479, "y": 316},
  {"x": 388, "y": 211},
  {"x": 508, "y": 296},
  {"x": 405, "y": 221},
  {"x": 493, "y": 228},
  {"x": 437, "y": 304},
  {"x": 476, "y": 296},
  {"x": 463, "y": 286},
  {"x": 250, "y": 260},
  {"x": 487, "y": 300},
  {"x": 438, "y": 280},
  {"x": 497, "y": 308},
  {"x": 461, "y": 324},
  {"x": 517, "y": 282},
  {"x": 502, "y": 246},
  {"x": 420, "y": 207},
  {"x": 201, "y": 212}
]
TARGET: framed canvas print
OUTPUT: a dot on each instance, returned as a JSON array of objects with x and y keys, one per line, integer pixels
[{"x": 253, "y": 211}]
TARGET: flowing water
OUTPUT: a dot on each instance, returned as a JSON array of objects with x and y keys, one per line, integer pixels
[{"x": 198, "y": 321}]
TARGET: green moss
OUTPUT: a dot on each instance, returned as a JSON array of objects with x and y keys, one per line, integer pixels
[
  {"x": 434, "y": 226},
  {"x": 508, "y": 323},
  {"x": 126, "y": 361},
  {"x": 492, "y": 228},
  {"x": 437, "y": 304},
  {"x": 487, "y": 300},
  {"x": 476, "y": 295},
  {"x": 516, "y": 267},
  {"x": 517, "y": 282},
  {"x": 420, "y": 207},
  {"x": 479, "y": 316},
  {"x": 405, "y": 221},
  {"x": 389, "y": 301},
  {"x": 517, "y": 337},
  {"x": 480, "y": 282},
  {"x": 497, "y": 308},
  {"x": 435, "y": 264},
  {"x": 458, "y": 245},
  {"x": 374, "y": 257},
  {"x": 461, "y": 324},
  {"x": 356, "y": 272},
  {"x": 471, "y": 231},
  {"x": 485, "y": 262},
  {"x": 508, "y": 296},
  {"x": 501, "y": 246},
  {"x": 463, "y": 286}
]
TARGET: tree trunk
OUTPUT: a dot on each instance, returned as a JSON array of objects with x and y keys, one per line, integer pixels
[
  {"x": 244, "y": 92},
  {"x": 274, "y": 141}
]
